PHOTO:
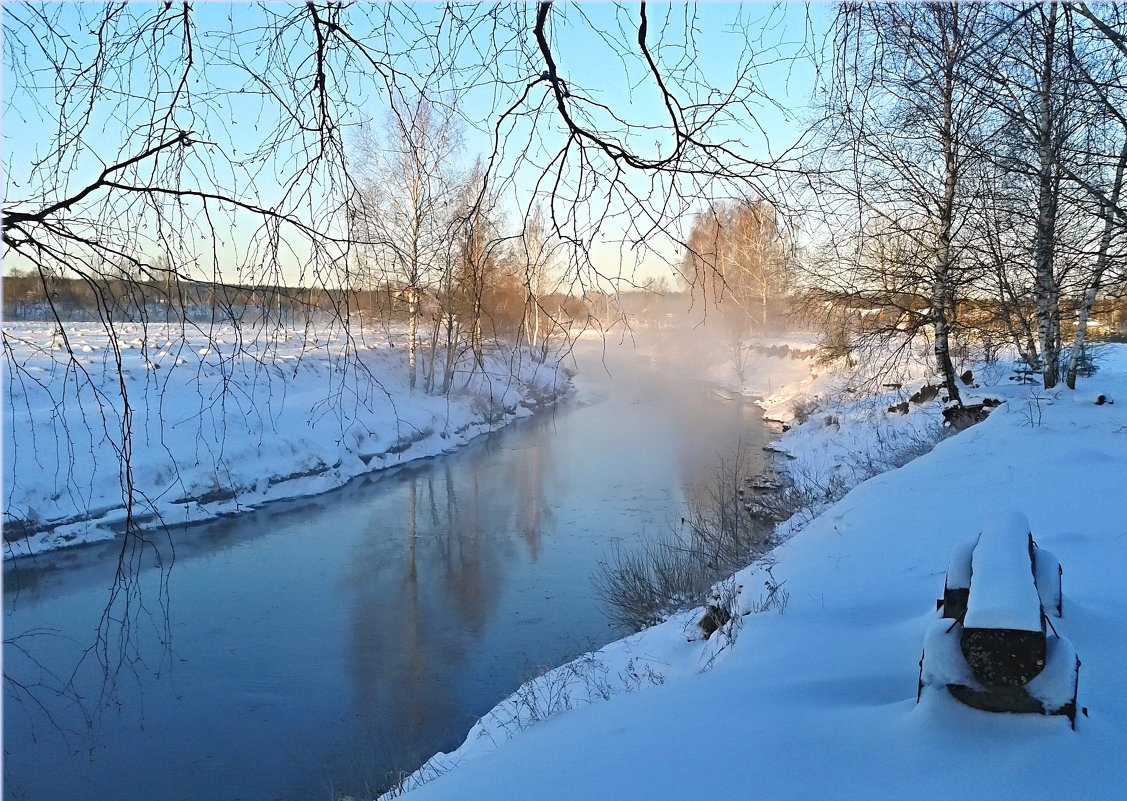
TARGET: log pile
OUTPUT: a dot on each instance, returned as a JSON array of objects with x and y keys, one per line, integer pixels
[{"x": 994, "y": 645}]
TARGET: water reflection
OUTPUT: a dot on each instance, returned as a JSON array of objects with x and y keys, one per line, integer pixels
[{"x": 318, "y": 645}]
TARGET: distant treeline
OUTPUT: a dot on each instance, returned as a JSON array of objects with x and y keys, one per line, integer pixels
[
  {"x": 985, "y": 320},
  {"x": 27, "y": 296}
]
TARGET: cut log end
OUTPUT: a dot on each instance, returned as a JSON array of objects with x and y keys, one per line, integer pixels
[{"x": 1004, "y": 657}]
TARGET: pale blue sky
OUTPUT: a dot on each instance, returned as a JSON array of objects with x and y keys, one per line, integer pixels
[{"x": 729, "y": 37}]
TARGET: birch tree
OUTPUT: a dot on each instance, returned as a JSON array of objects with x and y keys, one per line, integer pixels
[
  {"x": 536, "y": 254},
  {"x": 408, "y": 199},
  {"x": 474, "y": 231},
  {"x": 900, "y": 136},
  {"x": 737, "y": 256},
  {"x": 1025, "y": 79},
  {"x": 1105, "y": 76},
  {"x": 1054, "y": 82}
]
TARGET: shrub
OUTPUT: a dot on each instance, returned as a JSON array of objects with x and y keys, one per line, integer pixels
[
  {"x": 639, "y": 588},
  {"x": 835, "y": 345},
  {"x": 802, "y": 409}
]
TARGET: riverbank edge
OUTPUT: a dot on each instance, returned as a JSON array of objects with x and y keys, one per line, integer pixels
[
  {"x": 843, "y": 656},
  {"x": 595, "y": 676},
  {"x": 108, "y": 523}
]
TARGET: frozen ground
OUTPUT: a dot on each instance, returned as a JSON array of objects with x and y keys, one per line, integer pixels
[
  {"x": 813, "y": 696},
  {"x": 222, "y": 422}
]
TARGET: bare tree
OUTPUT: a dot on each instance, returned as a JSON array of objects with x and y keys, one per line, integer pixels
[
  {"x": 901, "y": 134},
  {"x": 1025, "y": 79},
  {"x": 123, "y": 176},
  {"x": 595, "y": 167},
  {"x": 737, "y": 267},
  {"x": 477, "y": 239},
  {"x": 208, "y": 154},
  {"x": 408, "y": 199},
  {"x": 1048, "y": 75},
  {"x": 1099, "y": 51},
  {"x": 536, "y": 255},
  {"x": 738, "y": 255}
]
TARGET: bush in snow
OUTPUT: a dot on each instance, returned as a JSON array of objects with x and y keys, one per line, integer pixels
[
  {"x": 802, "y": 409},
  {"x": 718, "y": 537}
]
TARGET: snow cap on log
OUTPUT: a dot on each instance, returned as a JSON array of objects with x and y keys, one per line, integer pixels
[
  {"x": 959, "y": 569},
  {"x": 943, "y": 661},
  {"x": 1047, "y": 572},
  {"x": 956, "y": 587},
  {"x": 1055, "y": 686},
  {"x": 1003, "y": 594}
]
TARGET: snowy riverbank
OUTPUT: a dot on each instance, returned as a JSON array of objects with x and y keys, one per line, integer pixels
[
  {"x": 810, "y": 693},
  {"x": 224, "y": 421}
]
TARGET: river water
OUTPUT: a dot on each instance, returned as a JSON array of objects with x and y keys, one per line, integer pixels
[{"x": 313, "y": 646}]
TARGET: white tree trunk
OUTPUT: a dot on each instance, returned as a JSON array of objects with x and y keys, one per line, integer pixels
[
  {"x": 1046, "y": 292},
  {"x": 412, "y": 333}
]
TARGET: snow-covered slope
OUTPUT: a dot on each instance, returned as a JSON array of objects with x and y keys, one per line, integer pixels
[
  {"x": 224, "y": 419},
  {"x": 819, "y": 701}
]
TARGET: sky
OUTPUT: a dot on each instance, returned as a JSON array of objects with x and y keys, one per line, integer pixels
[{"x": 768, "y": 45}]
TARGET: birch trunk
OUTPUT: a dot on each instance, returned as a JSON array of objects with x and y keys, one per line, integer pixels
[
  {"x": 476, "y": 338},
  {"x": 1046, "y": 292},
  {"x": 412, "y": 333},
  {"x": 429, "y": 388},
  {"x": 943, "y": 289},
  {"x": 451, "y": 355}
]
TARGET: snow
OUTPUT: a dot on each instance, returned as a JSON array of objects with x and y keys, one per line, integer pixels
[
  {"x": 1054, "y": 685},
  {"x": 810, "y": 692},
  {"x": 817, "y": 700},
  {"x": 1047, "y": 574},
  {"x": 224, "y": 419},
  {"x": 943, "y": 656},
  {"x": 1003, "y": 595},
  {"x": 959, "y": 568}
]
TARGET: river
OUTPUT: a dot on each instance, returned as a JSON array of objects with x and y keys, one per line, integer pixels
[{"x": 311, "y": 647}]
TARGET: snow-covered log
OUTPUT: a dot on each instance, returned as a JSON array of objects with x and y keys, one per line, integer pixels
[
  {"x": 1047, "y": 574},
  {"x": 956, "y": 587},
  {"x": 1003, "y": 638},
  {"x": 1003, "y": 630},
  {"x": 1004, "y": 595},
  {"x": 989, "y": 648}
]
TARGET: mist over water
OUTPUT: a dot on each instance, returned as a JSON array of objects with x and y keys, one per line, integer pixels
[{"x": 319, "y": 644}]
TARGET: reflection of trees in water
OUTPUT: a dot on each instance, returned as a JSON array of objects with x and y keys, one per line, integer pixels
[
  {"x": 61, "y": 683},
  {"x": 425, "y": 580},
  {"x": 430, "y": 571},
  {"x": 423, "y": 584},
  {"x": 532, "y": 510},
  {"x": 471, "y": 547}
]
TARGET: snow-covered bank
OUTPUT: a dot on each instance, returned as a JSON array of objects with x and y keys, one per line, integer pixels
[
  {"x": 814, "y": 696},
  {"x": 224, "y": 422}
]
